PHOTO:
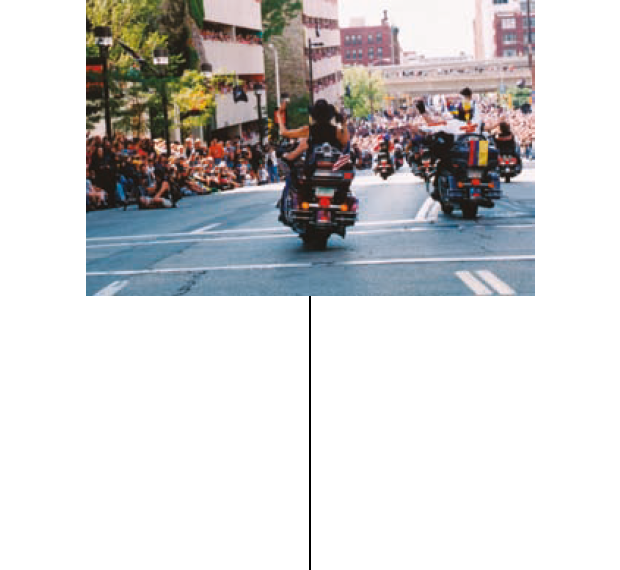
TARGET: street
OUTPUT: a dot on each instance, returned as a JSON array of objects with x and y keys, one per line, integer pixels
[{"x": 231, "y": 244}]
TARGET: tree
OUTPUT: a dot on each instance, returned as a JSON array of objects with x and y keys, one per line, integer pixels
[
  {"x": 276, "y": 15},
  {"x": 367, "y": 91},
  {"x": 134, "y": 23}
]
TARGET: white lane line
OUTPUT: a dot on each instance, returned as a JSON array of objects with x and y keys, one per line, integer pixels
[
  {"x": 239, "y": 231},
  {"x": 111, "y": 289},
  {"x": 369, "y": 262},
  {"x": 206, "y": 237},
  {"x": 205, "y": 229},
  {"x": 496, "y": 282},
  {"x": 433, "y": 214},
  {"x": 476, "y": 286},
  {"x": 424, "y": 210}
]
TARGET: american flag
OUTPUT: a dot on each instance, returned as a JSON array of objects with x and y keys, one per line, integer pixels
[{"x": 342, "y": 161}]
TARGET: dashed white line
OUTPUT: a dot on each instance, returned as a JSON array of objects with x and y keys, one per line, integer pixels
[
  {"x": 496, "y": 283},
  {"x": 205, "y": 229},
  {"x": 476, "y": 286},
  {"x": 363, "y": 262},
  {"x": 111, "y": 289},
  {"x": 424, "y": 209}
]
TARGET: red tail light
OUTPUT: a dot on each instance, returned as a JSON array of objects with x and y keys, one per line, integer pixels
[
  {"x": 348, "y": 176},
  {"x": 325, "y": 202},
  {"x": 475, "y": 182}
]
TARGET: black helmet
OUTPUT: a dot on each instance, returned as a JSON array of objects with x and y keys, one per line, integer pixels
[
  {"x": 322, "y": 111},
  {"x": 466, "y": 92}
]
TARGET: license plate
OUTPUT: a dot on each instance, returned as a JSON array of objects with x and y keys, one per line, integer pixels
[
  {"x": 474, "y": 173},
  {"x": 325, "y": 192}
]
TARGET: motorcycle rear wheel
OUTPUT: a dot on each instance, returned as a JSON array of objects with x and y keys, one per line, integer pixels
[
  {"x": 315, "y": 241},
  {"x": 470, "y": 211}
]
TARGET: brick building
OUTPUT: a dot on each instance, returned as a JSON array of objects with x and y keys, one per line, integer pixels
[
  {"x": 511, "y": 34},
  {"x": 370, "y": 45}
]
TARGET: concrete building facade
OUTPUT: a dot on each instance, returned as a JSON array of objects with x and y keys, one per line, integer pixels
[
  {"x": 231, "y": 42},
  {"x": 293, "y": 54}
]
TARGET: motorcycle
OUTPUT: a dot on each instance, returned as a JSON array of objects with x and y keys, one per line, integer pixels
[
  {"x": 467, "y": 175},
  {"x": 509, "y": 161},
  {"x": 399, "y": 160},
  {"x": 509, "y": 166},
  {"x": 384, "y": 167},
  {"x": 364, "y": 161},
  {"x": 426, "y": 169},
  {"x": 321, "y": 202}
]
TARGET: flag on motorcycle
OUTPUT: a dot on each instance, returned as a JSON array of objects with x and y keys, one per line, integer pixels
[
  {"x": 478, "y": 153},
  {"x": 342, "y": 161}
]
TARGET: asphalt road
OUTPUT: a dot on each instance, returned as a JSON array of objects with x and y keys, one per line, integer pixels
[{"x": 232, "y": 244}]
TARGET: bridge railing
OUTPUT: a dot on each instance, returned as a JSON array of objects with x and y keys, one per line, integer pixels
[{"x": 390, "y": 78}]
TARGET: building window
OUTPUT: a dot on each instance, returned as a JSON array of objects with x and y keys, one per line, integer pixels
[
  {"x": 510, "y": 52},
  {"x": 347, "y": 39},
  {"x": 379, "y": 38},
  {"x": 509, "y": 24},
  {"x": 359, "y": 54},
  {"x": 379, "y": 52},
  {"x": 510, "y": 38},
  {"x": 359, "y": 39},
  {"x": 370, "y": 38},
  {"x": 371, "y": 53}
]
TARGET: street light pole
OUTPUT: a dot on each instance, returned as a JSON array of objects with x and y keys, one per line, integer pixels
[
  {"x": 207, "y": 72},
  {"x": 103, "y": 38},
  {"x": 259, "y": 92},
  {"x": 160, "y": 58},
  {"x": 311, "y": 45}
]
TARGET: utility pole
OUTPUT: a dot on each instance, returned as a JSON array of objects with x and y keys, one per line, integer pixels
[{"x": 529, "y": 41}]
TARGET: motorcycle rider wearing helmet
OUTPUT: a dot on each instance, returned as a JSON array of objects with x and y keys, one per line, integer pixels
[
  {"x": 384, "y": 150},
  {"x": 320, "y": 131}
]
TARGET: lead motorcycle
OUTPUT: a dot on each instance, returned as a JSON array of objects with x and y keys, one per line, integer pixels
[
  {"x": 466, "y": 175},
  {"x": 321, "y": 202}
]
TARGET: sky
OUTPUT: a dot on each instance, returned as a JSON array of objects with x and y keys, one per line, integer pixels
[{"x": 430, "y": 27}]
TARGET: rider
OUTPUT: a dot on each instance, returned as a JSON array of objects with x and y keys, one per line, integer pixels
[
  {"x": 320, "y": 131},
  {"x": 384, "y": 150},
  {"x": 505, "y": 140}
]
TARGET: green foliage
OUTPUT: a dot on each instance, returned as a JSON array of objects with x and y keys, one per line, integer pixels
[
  {"x": 197, "y": 11},
  {"x": 276, "y": 14},
  {"x": 297, "y": 111},
  {"x": 192, "y": 95},
  {"x": 367, "y": 90}
]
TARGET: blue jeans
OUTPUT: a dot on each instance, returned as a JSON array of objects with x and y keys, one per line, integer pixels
[
  {"x": 283, "y": 198},
  {"x": 273, "y": 174}
]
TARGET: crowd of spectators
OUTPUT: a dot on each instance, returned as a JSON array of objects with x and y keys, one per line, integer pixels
[
  {"x": 138, "y": 171},
  {"x": 367, "y": 133},
  {"x": 215, "y": 35}
]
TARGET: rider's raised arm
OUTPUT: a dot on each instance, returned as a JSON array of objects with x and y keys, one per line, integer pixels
[{"x": 304, "y": 132}]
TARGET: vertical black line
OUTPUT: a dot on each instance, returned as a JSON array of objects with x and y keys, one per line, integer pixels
[{"x": 310, "y": 434}]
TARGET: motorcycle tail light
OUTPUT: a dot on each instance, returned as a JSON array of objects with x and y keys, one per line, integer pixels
[
  {"x": 460, "y": 185},
  {"x": 475, "y": 182},
  {"x": 344, "y": 208},
  {"x": 348, "y": 176},
  {"x": 324, "y": 202},
  {"x": 305, "y": 206},
  {"x": 491, "y": 185}
]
